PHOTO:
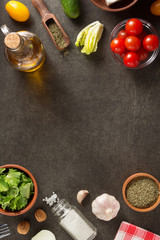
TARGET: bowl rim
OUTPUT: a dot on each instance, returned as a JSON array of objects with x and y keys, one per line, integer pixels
[
  {"x": 32, "y": 202},
  {"x": 106, "y": 8},
  {"x": 128, "y": 180},
  {"x": 154, "y": 53}
]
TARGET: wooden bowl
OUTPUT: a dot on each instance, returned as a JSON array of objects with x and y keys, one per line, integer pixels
[
  {"x": 116, "y": 7},
  {"x": 32, "y": 202},
  {"x": 124, "y": 192}
]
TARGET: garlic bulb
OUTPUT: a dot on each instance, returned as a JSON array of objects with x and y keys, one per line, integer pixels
[{"x": 105, "y": 207}]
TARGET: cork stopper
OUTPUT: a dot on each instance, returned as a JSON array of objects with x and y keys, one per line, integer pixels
[{"x": 12, "y": 40}]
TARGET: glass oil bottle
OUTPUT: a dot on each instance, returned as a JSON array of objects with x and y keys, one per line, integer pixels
[
  {"x": 71, "y": 219},
  {"x": 23, "y": 50}
]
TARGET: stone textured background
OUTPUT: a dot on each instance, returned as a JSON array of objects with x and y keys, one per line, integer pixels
[{"x": 81, "y": 122}]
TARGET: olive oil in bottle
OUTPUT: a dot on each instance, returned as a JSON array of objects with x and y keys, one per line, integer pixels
[{"x": 23, "y": 50}]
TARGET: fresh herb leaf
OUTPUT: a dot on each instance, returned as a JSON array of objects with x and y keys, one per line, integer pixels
[
  {"x": 13, "y": 177},
  {"x": 3, "y": 185},
  {"x": 2, "y": 197},
  {"x": 18, "y": 203},
  {"x": 6, "y": 202},
  {"x": 21, "y": 203},
  {"x": 13, "y": 204},
  {"x": 25, "y": 189},
  {"x": 32, "y": 188},
  {"x": 16, "y": 188},
  {"x": 25, "y": 179},
  {"x": 2, "y": 170},
  {"x": 13, "y": 191}
]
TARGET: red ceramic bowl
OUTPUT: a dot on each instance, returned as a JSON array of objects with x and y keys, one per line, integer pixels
[
  {"x": 32, "y": 202},
  {"x": 126, "y": 184},
  {"x": 116, "y": 7}
]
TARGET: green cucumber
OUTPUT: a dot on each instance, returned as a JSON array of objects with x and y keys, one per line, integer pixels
[{"x": 71, "y": 8}]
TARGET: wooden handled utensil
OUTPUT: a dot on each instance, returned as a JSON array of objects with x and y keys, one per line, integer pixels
[{"x": 52, "y": 25}]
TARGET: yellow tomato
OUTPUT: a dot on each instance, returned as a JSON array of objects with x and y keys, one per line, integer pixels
[
  {"x": 155, "y": 8},
  {"x": 17, "y": 10}
]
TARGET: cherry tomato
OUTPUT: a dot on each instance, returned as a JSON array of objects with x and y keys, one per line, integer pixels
[
  {"x": 117, "y": 45},
  {"x": 143, "y": 54},
  {"x": 155, "y": 8},
  {"x": 132, "y": 43},
  {"x": 151, "y": 42},
  {"x": 131, "y": 59},
  {"x": 142, "y": 35},
  {"x": 134, "y": 26},
  {"x": 123, "y": 34},
  {"x": 124, "y": 53}
]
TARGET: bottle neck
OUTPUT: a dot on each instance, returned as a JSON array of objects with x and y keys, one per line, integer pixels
[
  {"x": 13, "y": 41},
  {"x": 61, "y": 209},
  {"x": 21, "y": 50}
]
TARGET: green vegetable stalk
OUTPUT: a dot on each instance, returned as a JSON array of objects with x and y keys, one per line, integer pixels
[{"x": 89, "y": 37}]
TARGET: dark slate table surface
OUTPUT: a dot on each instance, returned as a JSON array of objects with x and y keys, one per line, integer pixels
[{"x": 81, "y": 122}]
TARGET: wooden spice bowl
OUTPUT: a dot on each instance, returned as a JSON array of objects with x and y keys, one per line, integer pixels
[
  {"x": 116, "y": 7},
  {"x": 34, "y": 198},
  {"x": 128, "y": 180}
]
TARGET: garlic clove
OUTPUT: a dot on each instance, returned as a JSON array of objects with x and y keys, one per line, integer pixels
[{"x": 81, "y": 195}]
